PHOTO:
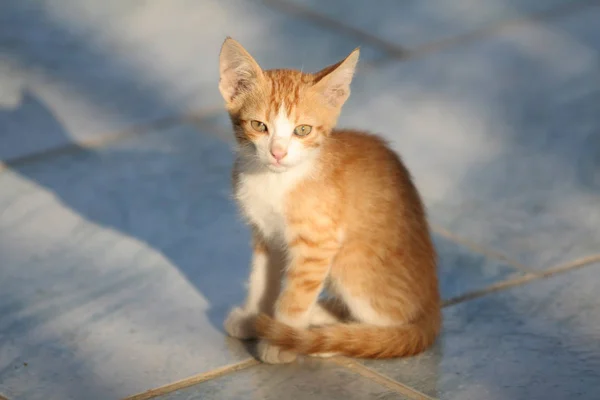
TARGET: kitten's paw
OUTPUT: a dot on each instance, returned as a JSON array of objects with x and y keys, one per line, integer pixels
[
  {"x": 271, "y": 354},
  {"x": 240, "y": 324}
]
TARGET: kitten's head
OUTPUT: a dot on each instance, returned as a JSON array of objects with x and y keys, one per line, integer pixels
[{"x": 281, "y": 117}]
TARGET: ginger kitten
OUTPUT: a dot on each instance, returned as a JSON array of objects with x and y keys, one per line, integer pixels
[{"x": 329, "y": 209}]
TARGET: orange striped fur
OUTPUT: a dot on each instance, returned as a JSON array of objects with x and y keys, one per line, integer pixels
[{"x": 332, "y": 210}]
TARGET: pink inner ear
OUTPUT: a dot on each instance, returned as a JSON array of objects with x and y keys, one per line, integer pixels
[
  {"x": 339, "y": 92},
  {"x": 232, "y": 84},
  {"x": 336, "y": 95}
]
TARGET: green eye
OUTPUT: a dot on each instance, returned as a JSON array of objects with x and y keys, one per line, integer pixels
[
  {"x": 258, "y": 126},
  {"x": 302, "y": 130}
]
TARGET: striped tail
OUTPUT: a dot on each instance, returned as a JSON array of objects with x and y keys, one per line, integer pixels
[{"x": 353, "y": 339}]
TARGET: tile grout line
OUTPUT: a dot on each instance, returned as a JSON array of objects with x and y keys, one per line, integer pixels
[
  {"x": 493, "y": 288},
  {"x": 399, "y": 53},
  {"x": 104, "y": 139},
  {"x": 328, "y": 22},
  {"x": 577, "y": 263},
  {"x": 529, "y": 277},
  {"x": 379, "y": 378},
  {"x": 193, "y": 380},
  {"x": 501, "y": 26},
  {"x": 478, "y": 248}
]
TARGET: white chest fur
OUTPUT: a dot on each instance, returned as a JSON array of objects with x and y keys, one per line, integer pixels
[{"x": 263, "y": 198}]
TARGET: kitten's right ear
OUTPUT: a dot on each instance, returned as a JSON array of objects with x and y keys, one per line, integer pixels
[{"x": 238, "y": 70}]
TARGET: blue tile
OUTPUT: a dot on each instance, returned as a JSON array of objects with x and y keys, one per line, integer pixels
[{"x": 536, "y": 341}]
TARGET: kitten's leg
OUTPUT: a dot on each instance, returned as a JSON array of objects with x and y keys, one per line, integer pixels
[
  {"x": 310, "y": 257},
  {"x": 304, "y": 280},
  {"x": 263, "y": 288}
]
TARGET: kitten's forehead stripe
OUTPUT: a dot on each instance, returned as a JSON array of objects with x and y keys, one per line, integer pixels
[{"x": 285, "y": 90}]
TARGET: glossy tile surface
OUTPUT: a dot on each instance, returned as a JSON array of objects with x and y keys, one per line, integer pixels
[
  {"x": 414, "y": 23},
  {"x": 77, "y": 70},
  {"x": 536, "y": 341},
  {"x": 309, "y": 380},
  {"x": 501, "y": 136}
]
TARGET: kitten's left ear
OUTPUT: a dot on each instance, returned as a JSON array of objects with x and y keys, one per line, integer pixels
[{"x": 334, "y": 81}]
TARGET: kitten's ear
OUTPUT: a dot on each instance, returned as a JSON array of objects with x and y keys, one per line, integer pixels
[
  {"x": 334, "y": 81},
  {"x": 238, "y": 70}
]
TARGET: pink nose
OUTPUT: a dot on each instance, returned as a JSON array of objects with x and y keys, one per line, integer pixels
[{"x": 278, "y": 153}]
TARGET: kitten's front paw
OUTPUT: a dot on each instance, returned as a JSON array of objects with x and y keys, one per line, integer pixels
[
  {"x": 271, "y": 354},
  {"x": 240, "y": 324}
]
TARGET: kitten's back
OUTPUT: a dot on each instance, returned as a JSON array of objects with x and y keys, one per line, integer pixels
[{"x": 376, "y": 184}]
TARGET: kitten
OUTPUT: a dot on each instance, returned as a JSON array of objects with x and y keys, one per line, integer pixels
[{"x": 332, "y": 209}]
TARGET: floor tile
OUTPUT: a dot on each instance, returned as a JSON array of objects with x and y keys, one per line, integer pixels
[
  {"x": 118, "y": 267},
  {"x": 501, "y": 136},
  {"x": 418, "y": 22},
  {"x": 309, "y": 380},
  {"x": 536, "y": 341},
  {"x": 99, "y": 67}
]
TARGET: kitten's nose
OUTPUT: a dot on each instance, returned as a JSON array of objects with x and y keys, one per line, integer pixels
[{"x": 278, "y": 152}]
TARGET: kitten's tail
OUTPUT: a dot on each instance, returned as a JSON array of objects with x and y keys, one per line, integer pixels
[{"x": 353, "y": 339}]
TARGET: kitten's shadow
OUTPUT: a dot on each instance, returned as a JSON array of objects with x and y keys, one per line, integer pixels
[{"x": 142, "y": 192}]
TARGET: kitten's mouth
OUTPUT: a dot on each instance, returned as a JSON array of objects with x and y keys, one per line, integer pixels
[
  {"x": 276, "y": 166},
  {"x": 275, "y": 163}
]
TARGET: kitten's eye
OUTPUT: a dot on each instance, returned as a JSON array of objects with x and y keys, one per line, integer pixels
[
  {"x": 258, "y": 126},
  {"x": 302, "y": 130}
]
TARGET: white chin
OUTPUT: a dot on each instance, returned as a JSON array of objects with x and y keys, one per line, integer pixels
[{"x": 276, "y": 168}]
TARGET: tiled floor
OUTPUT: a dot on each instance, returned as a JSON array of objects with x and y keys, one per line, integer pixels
[{"x": 121, "y": 251}]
